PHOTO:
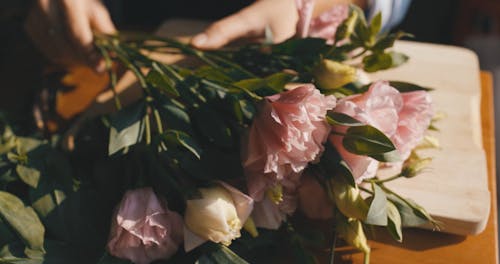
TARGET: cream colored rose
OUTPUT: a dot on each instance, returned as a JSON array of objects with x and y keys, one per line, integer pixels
[{"x": 217, "y": 216}]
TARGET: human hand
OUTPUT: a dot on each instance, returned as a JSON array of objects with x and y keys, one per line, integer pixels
[
  {"x": 279, "y": 15},
  {"x": 63, "y": 30}
]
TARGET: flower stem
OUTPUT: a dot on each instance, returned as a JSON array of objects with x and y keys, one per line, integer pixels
[
  {"x": 334, "y": 245},
  {"x": 148, "y": 129},
  {"x": 112, "y": 75},
  {"x": 359, "y": 54},
  {"x": 386, "y": 179},
  {"x": 159, "y": 125}
]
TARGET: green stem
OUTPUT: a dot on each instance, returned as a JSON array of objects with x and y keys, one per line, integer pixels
[
  {"x": 232, "y": 65},
  {"x": 386, "y": 179},
  {"x": 332, "y": 49},
  {"x": 122, "y": 55},
  {"x": 148, "y": 129},
  {"x": 367, "y": 258},
  {"x": 159, "y": 125},
  {"x": 112, "y": 75},
  {"x": 359, "y": 54},
  {"x": 333, "y": 247},
  {"x": 365, "y": 190},
  {"x": 249, "y": 93}
]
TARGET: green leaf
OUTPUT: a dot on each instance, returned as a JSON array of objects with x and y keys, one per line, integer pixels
[
  {"x": 345, "y": 171},
  {"x": 419, "y": 210},
  {"x": 362, "y": 32},
  {"x": 388, "y": 41},
  {"x": 47, "y": 203},
  {"x": 57, "y": 253},
  {"x": 211, "y": 125},
  {"x": 6, "y": 234},
  {"x": 29, "y": 144},
  {"x": 302, "y": 255},
  {"x": 28, "y": 175},
  {"x": 377, "y": 61},
  {"x": 391, "y": 156},
  {"x": 377, "y": 213},
  {"x": 220, "y": 254},
  {"x": 176, "y": 137},
  {"x": 375, "y": 25},
  {"x": 409, "y": 218},
  {"x": 305, "y": 51},
  {"x": 278, "y": 81},
  {"x": 398, "y": 58},
  {"x": 175, "y": 116},
  {"x": 367, "y": 140},
  {"x": 333, "y": 165},
  {"x": 351, "y": 230},
  {"x": 160, "y": 81},
  {"x": 126, "y": 128},
  {"x": 394, "y": 225},
  {"x": 205, "y": 259},
  {"x": 109, "y": 259},
  {"x": 7, "y": 144},
  {"x": 222, "y": 164},
  {"x": 251, "y": 84},
  {"x": 404, "y": 87},
  {"x": 248, "y": 109},
  {"x": 16, "y": 252},
  {"x": 341, "y": 119},
  {"x": 211, "y": 73},
  {"x": 348, "y": 199},
  {"x": 23, "y": 220}
]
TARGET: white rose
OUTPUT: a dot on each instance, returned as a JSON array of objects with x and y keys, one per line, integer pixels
[{"x": 217, "y": 216}]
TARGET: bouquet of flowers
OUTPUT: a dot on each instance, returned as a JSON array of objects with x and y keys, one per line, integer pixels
[{"x": 232, "y": 157}]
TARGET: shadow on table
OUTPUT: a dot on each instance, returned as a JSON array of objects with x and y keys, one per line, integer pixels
[{"x": 417, "y": 239}]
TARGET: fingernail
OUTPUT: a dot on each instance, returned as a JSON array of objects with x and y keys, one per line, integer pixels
[{"x": 200, "y": 39}]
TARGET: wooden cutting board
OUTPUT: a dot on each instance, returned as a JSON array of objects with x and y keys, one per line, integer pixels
[{"x": 455, "y": 187}]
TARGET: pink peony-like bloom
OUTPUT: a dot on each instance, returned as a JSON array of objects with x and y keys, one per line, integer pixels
[
  {"x": 323, "y": 26},
  {"x": 403, "y": 117},
  {"x": 287, "y": 133},
  {"x": 143, "y": 229},
  {"x": 312, "y": 198},
  {"x": 270, "y": 215}
]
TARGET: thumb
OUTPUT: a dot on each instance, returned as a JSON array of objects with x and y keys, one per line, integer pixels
[{"x": 220, "y": 33}]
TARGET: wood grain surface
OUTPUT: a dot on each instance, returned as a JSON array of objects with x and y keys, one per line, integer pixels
[{"x": 426, "y": 247}]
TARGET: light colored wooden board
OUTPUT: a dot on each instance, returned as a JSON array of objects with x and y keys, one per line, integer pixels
[{"x": 455, "y": 188}]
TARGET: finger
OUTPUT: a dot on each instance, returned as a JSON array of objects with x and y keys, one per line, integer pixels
[
  {"x": 68, "y": 142},
  {"x": 78, "y": 30},
  {"x": 100, "y": 20},
  {"x": 242, "y": 24},
  {"x": 47, "y": 38}
]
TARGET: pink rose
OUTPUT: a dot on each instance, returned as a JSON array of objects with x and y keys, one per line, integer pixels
[
  {"x": 269, "y": 214},
  {"x": 403, "y": 117},
  {"x": 287, "y": 133},
  {"x": 312, "y": 198},
  {"x": 323, "y": 26},
  {"x": 143, "y": 229}
]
